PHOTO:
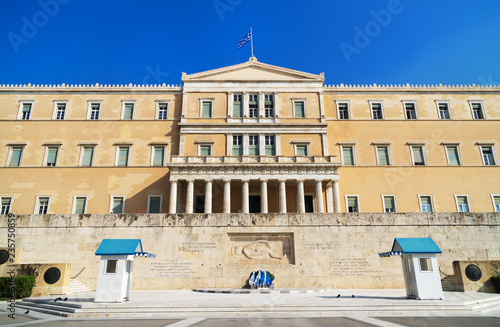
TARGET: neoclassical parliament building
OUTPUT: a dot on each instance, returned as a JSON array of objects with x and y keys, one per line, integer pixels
[{"x": 249, "y": 138}]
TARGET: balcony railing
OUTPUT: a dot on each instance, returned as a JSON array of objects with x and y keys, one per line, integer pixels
[{"x": 254, "y": 159}]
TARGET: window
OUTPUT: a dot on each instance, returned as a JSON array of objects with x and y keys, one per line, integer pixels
[
  {"x": 343, "y": 110},
  {"x": 117, "y": 204},
  {"x": 237, "y": 145},
  {"x": 477, "y": 109},
  {"x": 488, "y": 155},
  {"x": 204, "y": 150},
  {"x": 237, "y": 105},
  {"x": 270, "y": 145},
  {"x": 25, "y": 110},
  {"x": 79, "y": 205},
  {"x": 383, "y": 155},
  {"x": 410, "y": 110},
  {"x": 94, "y": 110},
  {"x": 301, "y": 150},
  {"x": 463, "y": 204},
  {"x": 352, "y": 203},
  {"x": 494, "y": 198},
  {"x": 42, "y": 205},
  {"x": 162, "y": 108},
  {"x": 299, "y": 109},
  {"x": 444, "y": 110},
  {"x": 154, "y": 203},
  {"x": 389, "y": 202},
  {"x": 425, "y": 264},
  {"x": 453, "y": 155},
  {"x": 253, "y": 105},
  {"x": 425, "y": 203},
  {"x": 158, "y": 156},
  {"x": 15, "y": 156},
  {"x": 417, "y": 154},
  {"x": 6, "y": 203},
  {"x": 268, "y": 105},
  {"x": 87, "y": 159},
  {"x": 111, "y": 266},
  {"x": 51, "y": 156},
  {"x": 206, "y": 109},
  {"x": 59, "y": 110},
  {"x": 347, "y": 155},
  {"x": 376, "y": 110},
  {"x": 122, "y": 156},
  {"x": 128, "y": 110},
  {"x": 253, "y": 145}
]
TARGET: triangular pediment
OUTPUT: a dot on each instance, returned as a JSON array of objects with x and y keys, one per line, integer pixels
[{"x": 253, "y": 70}]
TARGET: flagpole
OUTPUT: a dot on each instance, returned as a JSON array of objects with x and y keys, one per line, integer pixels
[{"x": 251, "y": 40}]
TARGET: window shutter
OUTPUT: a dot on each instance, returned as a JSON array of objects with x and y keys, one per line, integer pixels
[
  {"x": 237, "y": 109},
  {"x": 417, "y": 155},
  {"x": 154, "y": 204},
  {"x": 206, "y": 109},
  {"x": 383, "y": 156},
  {"x": 128, "y": 111},
  {"x": 425, "y": 200},
  {"x": 453, "y": 155},
  {"x": 204, "y": 150},
  {"x": 87, "y": 156},
  {"x": 52, "y": 156},
  {"x": 389, "y": 203},
  {"x": 348, "y": 156},
  {"x": 497, "y": 200},
  {"x": 462, "y": 200},
  {"x": 352, "y": 202},
  {"x": 80, "y": 205},
  {"x": 299, "y": 109},
  {"x": 122, "y": 156},
  {"x": 15, "y": 158},
  {"x": 302, "y": 150},
  {"x": 158, "y": 156},
  {"x": 26, "y": 107},
  {"x": 117, "y": 205}
]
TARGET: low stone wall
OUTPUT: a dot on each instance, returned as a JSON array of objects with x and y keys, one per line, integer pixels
[
  {"x": 221, "y": 250},
  {"x": 476, "y": 275}
]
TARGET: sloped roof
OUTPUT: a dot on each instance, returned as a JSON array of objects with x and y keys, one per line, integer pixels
[
  {"x": 122, "y": 247},
  {"x": 252, "y": 70},
  {"x": 415, "y": 245}
]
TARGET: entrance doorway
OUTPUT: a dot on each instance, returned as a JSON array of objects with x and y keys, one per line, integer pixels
[
  {"x": 199, "y": 206},
  {"x": 309, "y": 203},
  {"x": 254, "y": 203}
]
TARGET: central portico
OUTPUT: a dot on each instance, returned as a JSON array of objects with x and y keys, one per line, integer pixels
[{"x": 249, "y": 130}]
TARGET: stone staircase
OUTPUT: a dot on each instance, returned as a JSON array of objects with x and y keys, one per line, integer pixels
[
  {"x": 86, "y": 308},
  {"x": 449, "y": 284},
  {"x": 75, "y": 287}
]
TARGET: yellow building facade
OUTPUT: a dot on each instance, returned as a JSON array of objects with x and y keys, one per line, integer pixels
[{"x": 249, "y": 138}]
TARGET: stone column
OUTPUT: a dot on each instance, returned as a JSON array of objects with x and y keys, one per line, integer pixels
[
  {"x": 301, "y": 206},
  {"x": 172, "y": 205},
  {"x": 319, "y": 197},
  {"x": 226, "y": 205},
  {"x": 329, "y": 197},
  {"x": 189, "y": 196},
  {"x": 244, "y": 198},
  {"x": 208, "y": 196},
  {"x": 282, "y": 196},
  {"x": 336, "y": 196},
  {"x": 263, "y": 196}
]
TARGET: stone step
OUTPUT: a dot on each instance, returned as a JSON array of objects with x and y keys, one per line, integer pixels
[
  {"x": 37, "y": 308},
  {"x": 76, "y": 286},
  {"x": 449, "y": 284}
]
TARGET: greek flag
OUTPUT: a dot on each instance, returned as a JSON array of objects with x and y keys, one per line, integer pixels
[{"x": 246, "y": 39}]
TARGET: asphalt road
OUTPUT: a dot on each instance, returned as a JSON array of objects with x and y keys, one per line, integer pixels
[{"x": 260, "y": 322}]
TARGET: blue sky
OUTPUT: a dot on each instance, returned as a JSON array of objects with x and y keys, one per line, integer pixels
[{"x": 153, "y": 41}]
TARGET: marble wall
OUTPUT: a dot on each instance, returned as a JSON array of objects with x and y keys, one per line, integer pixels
[{"x": 221, "y": 250}]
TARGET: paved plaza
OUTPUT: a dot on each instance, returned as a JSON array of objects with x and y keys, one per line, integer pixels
[{"x": 286, "y": 307}]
